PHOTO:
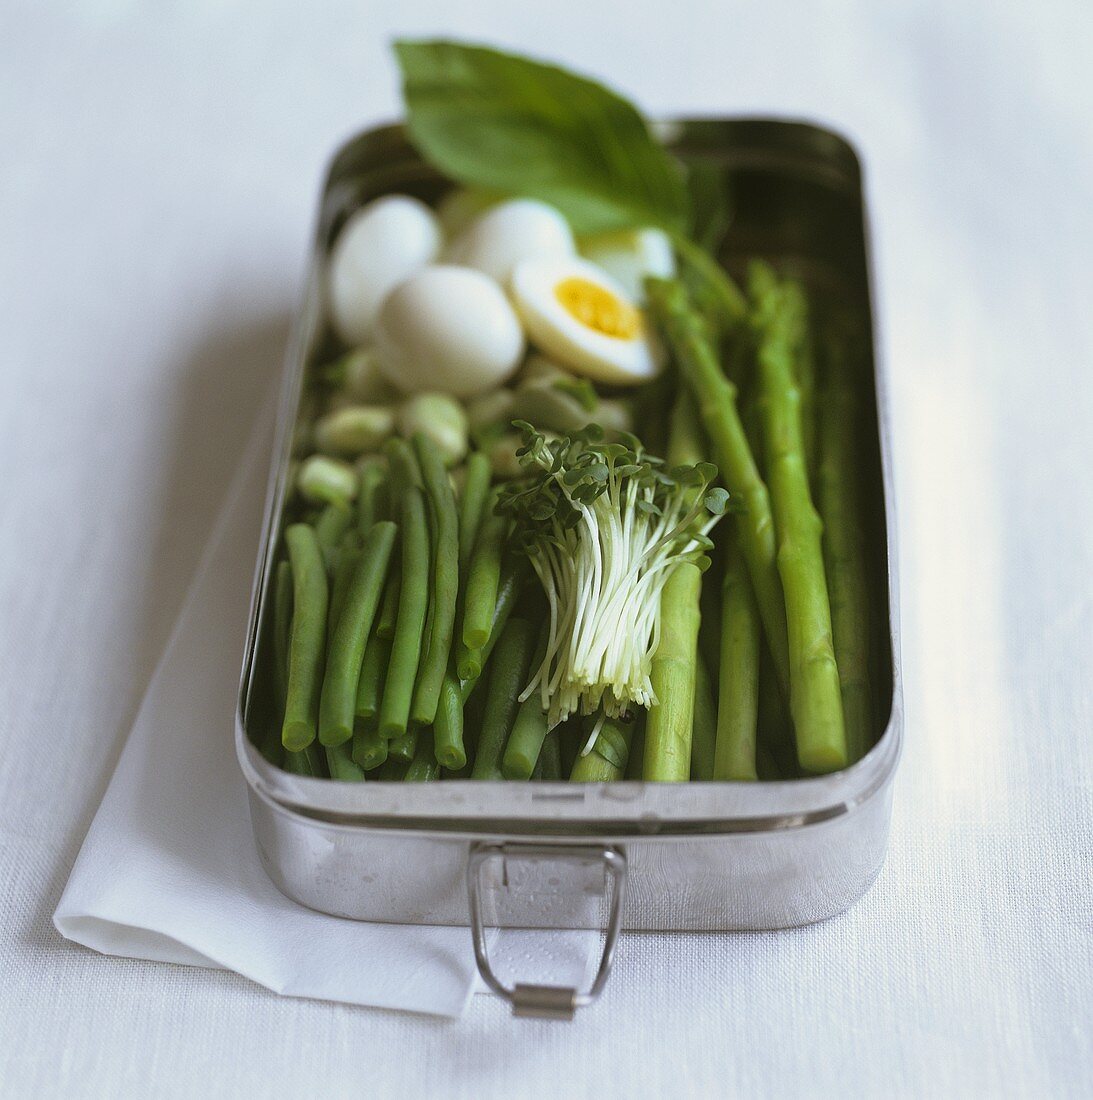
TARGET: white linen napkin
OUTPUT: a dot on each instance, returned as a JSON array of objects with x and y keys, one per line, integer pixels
[{"x": 169, "y": 870}]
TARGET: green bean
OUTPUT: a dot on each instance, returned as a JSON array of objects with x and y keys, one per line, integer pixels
[
  {"x": 444, "y": 590},
  {"x": 403, "y": 470},
  {"x": 483, "y": 577},
  {"x": 282, "y": 624},
  {"x": 424, "y": 767},
  {"x": 472, "y": 505},
  {"x": 343, "y": 664},
  {"x": 345, "y": 560},
  {"x": 385, "y": 628},
  {"x": 342, "y": 765},
  {"x": 448, "y": 725},
  {"x": 298, "y": 763},
  {"x": 404, "y": 746},
  {"x": 310, "y": 761},
  {"x": 377, "y": 652},
  {"x": 413, "y": 605},
  {"x": 332, "y": 524},
  {"x": 305, "y": 657},
  {"x": 371, "y": 502},
  {"x": 609, "y": 755},
  {"x": 369, "y": 748},
  {"x": 508, "y": 675},
  {"x": 468, "y": 662},
  {"x": 526, "y": 740},
  {"x": 513, "y": 575}
]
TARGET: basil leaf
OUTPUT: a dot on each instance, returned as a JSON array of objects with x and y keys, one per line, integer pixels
[{"x": 509, "y": 124}]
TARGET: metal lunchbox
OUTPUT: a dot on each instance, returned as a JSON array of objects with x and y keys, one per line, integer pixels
[{"x": 714, "y": 856}]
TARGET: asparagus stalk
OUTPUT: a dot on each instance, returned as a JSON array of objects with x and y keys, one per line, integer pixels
[
  {"x": 687, "y": 446},
  {"x": 715, "y": 397},
  {"x": 815, "y": 697},
  {"x": 738, "y": 689},
  {"x": 844, "y": 541},
  {"x": 671, "y": 721}
]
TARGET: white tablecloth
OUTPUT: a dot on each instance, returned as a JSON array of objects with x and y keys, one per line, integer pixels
[{"x": 160, "y": 165}]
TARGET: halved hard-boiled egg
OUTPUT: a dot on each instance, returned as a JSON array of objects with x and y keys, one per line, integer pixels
[{"x": 577, "y": 313}]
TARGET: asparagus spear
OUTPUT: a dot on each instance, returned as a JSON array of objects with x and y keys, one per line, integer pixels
[
  {"x": 815, "y": 698},
  {"x": 738, "y": 694},
  {"x": 670, "y": 722},
  {"x": 715, "y": 397},
  {"x": 844, "y": 543},
  {"x": 687, "y": 446}
]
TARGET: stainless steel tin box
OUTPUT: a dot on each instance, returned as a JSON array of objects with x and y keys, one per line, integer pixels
[{"x": 713, "y": 856}]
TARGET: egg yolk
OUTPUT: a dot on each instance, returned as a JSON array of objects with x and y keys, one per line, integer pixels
[{"x": 598, "y": 309}]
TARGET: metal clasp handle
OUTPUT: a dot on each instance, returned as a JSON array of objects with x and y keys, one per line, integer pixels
[{"x": 546, "y": 1001}]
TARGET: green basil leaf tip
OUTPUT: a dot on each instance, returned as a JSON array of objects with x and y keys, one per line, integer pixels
[{"x": 520, "y": 127}]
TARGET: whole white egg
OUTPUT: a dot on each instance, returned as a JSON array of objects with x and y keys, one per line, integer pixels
[
  {"x": 380, "y": 245},
  {"x": 496, "y": 241},
  {"x": 448, "y": 328}
]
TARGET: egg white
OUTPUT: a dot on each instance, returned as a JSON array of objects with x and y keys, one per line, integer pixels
[{"x": 613, "y": 360}]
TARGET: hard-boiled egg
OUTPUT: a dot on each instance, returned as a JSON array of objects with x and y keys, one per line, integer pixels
[
  {"x": 512, "y": 231},
  {"x": 380, "y": 245},
  {"x": 577, "y": 313},
  {"x": 448, "y": 328},
  {"x": 629, "y": 255}
]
